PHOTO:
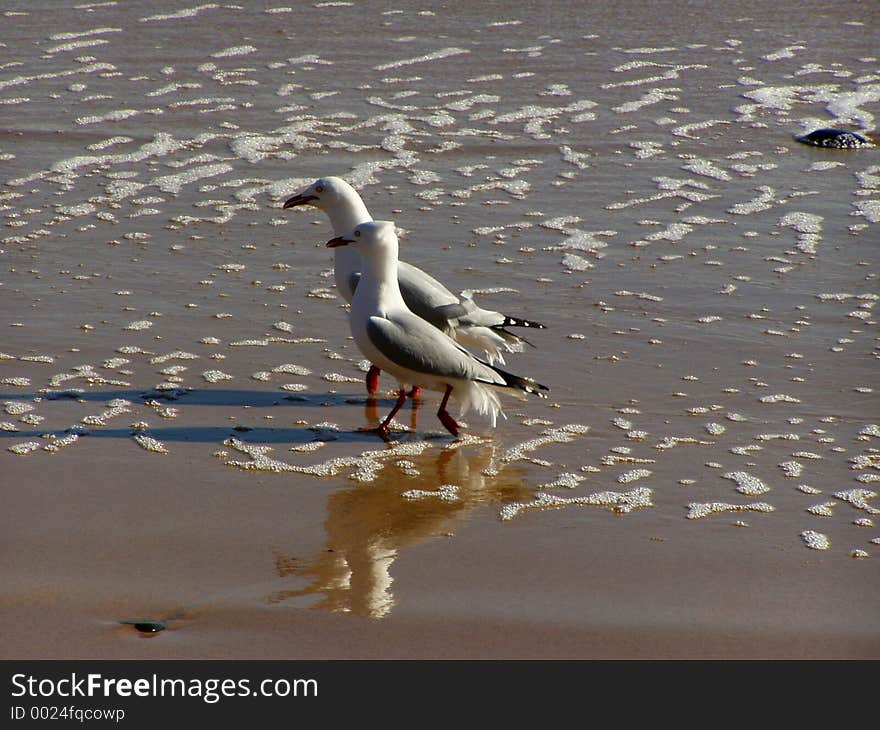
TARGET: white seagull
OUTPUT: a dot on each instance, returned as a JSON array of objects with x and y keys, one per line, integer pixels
[
  {"x": 403, "y": 344},
  {"x": 457, "y": 316}
]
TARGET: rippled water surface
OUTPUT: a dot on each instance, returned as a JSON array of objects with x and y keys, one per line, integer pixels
[{"x": 180, "y": 394}]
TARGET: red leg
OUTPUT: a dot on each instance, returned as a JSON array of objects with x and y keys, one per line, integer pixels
[
  {"x": 373, "y": 379},
  {"x": 443, "y": 414},
  {"x": 382, "y": 428}
]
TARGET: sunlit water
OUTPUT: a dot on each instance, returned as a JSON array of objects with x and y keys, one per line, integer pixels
[{"x": 708, "y": 283}]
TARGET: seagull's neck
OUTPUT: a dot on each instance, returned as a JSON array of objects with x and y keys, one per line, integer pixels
[
  {"x": 379, "y": 283},
  {"x": 347, "y": 213}
]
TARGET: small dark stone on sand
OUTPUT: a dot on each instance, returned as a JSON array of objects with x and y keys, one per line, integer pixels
[
  {"x": 146, "y": 627},
  {"x": 835, "y": 138}
]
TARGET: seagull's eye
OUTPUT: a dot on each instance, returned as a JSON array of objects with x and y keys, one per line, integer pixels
[
  {"x": 357, "y": 234},
  {"x": 319, "y": 188}
]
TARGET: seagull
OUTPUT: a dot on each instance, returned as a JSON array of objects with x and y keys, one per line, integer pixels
[
  {"x": 457, "y": 316},
  {"x": 403, "y": 344}
]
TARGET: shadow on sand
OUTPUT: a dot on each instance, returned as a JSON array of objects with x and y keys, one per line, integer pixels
[
  {"x": 214, "y": 434},
  {"x": 196, "y": 397}
]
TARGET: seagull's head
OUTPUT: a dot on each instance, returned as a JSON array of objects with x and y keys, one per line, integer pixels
[
  {"x": 371, "y": 238},
  {"x": 324, "y": 193}
]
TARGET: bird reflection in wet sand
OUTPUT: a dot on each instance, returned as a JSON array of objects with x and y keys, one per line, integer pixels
[
  {"x": 368, "y": 525},
  {"x": 371, "y": 411}
]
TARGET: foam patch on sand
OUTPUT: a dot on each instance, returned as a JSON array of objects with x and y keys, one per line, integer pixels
[{"x": 618, "y": 502}]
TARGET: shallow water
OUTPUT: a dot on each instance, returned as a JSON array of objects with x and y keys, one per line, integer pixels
[{"x": 181, "y": 394}]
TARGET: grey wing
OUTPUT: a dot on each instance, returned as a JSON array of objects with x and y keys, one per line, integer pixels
[
  {"x": 433, "y": 302},
  {"x": 454, "y": 313},
  {"x": 415, "y": 345},
  {"x": 473, "y": 315},
  {"x": 424, "y": 295}
]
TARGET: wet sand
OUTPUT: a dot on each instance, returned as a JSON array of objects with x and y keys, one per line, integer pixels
[{"x": 180, "y": 394}]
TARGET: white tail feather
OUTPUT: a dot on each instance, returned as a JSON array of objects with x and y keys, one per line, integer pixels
[
  {"x": 487, "y": 340},
  {"x": 482, "y": 398}
]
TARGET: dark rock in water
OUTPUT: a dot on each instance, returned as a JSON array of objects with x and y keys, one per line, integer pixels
[
  {"x": 147, "y": 627},
  {"x": 841, "y": 139}
]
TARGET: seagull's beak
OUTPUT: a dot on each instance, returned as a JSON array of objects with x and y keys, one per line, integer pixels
[
  {"x": 338, "y": 241},
  {"x": 299, "y": 199}
]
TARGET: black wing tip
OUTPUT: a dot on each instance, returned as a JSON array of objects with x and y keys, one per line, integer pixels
[
  {"x": 525, "y": 384},
  {"x": 538, "y": 392},
  {"x": 517, "y": 322},
  {"x": 499, "y": 328}
]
